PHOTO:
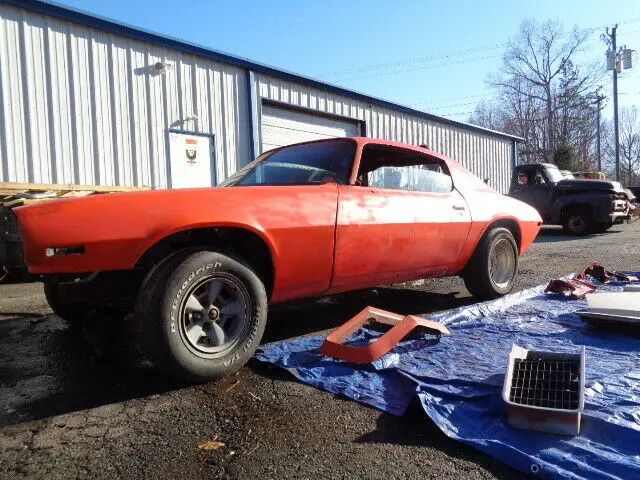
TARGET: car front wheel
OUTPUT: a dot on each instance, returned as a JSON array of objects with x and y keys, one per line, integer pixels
[
  {"x": 578, "y": 221},
  {"x": 202, "y": 315},
  {"x": 492, "y": 270}
]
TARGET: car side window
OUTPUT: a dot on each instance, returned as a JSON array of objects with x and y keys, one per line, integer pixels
[{"x": 398, "y": 169}]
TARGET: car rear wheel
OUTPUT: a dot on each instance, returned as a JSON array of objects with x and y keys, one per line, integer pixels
[
  {"x": 578, "y": 221},
  {"x": 73, "y": 313},
  {"x": 202, "y": 315},
  {"x": 492, "y": 270}
]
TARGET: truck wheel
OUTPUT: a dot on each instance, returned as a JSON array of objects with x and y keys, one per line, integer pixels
[
  {"x": 603, "y": 227},
  {"x": 578, "y": 221},
  {"x": 492, "y": 270},
  {"x": 202, "y": 315},
  {"x": 72, "y": 313}
]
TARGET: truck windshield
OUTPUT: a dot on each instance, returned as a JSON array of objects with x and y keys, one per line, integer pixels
[
  {"x": 303, "y": 164},
  {"x": 554, "y": 175}
]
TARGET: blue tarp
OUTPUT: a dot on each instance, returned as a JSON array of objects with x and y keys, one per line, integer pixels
[{"x": 459, "y": 378}]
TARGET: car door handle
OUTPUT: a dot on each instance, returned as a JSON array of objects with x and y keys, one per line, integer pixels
[{"x": 459, "y": 208}]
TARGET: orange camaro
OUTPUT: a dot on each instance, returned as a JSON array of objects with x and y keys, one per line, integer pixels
[{"x": 198, "y": 267}]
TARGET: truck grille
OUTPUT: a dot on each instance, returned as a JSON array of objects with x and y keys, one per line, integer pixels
[{"x": 620, "y": 205}]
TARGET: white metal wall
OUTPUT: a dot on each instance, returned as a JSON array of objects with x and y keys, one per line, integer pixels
[
  {"x": 484, "y": 155},
  {"x": 81, "y": 106}
]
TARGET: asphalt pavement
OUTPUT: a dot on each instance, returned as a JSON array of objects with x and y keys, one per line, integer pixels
[{"x": 80, "y": 404}]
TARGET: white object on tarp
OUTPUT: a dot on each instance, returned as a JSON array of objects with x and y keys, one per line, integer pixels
[{"x": 614, "y": 302}]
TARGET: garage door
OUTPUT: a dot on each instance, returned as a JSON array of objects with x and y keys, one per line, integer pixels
[{"x": 281, "y": 126}]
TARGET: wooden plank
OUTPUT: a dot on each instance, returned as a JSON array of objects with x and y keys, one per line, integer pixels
[
  {"x": 45, "y": 187},
  {"x": 10, "y": 191}
]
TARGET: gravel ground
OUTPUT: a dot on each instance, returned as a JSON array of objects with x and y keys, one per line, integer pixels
[{"x": 75, "y": 404}]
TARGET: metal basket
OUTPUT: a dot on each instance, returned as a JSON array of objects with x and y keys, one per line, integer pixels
[{"x": 544, "y": 391}]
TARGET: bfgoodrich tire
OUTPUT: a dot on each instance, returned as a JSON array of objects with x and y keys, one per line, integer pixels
[
  {"x": 202, "y": 315},
  {"x": 492, "y": 270}
]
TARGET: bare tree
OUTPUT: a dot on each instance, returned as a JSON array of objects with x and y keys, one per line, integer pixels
[
  {"x": 533, "y": 67},
  {"x": 488, "y": 115},
  {"x": 629, "y": 147}
]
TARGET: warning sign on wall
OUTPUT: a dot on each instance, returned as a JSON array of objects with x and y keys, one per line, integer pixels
[{"x": 192, "y": 160}]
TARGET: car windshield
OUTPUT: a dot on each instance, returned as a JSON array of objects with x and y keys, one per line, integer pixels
[
  {"x": 554, "y": 175},
  {"x": 304, "y": 164}
]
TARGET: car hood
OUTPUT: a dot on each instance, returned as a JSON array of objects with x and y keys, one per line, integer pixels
[
  {"x": 589, "y": 185},
  {"x": 124, "y": 225}
]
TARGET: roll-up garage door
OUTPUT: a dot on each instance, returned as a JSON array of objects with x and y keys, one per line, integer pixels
[{"x": 281, "y": 126}]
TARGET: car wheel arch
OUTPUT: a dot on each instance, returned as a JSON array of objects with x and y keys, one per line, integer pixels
[
  {"x": 249, "y": 245},
  {"x": 574, "y": 206},
  {"x": 510, "y": 224}
]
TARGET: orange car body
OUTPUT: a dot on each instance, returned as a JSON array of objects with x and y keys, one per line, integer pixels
[{"x": 323, "y": 239}]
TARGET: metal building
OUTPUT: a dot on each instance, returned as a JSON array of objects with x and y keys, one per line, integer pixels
[{"x": 90, "y": 101}]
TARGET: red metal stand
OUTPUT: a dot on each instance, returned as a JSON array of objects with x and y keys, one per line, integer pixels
[{"x": 334, "y": 345}]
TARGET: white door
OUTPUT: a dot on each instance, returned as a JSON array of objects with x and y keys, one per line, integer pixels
[
  {"x": 192, "y": 160},
  {"x": 281, "y": 126}
]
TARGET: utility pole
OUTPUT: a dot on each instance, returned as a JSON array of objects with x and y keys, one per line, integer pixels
[
  {"x": 616, "y": 61},
  {"x": 615, "y": 100},
  {"x": 613, "y": 64}
]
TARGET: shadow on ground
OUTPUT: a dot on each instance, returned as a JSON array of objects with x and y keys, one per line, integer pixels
[
  {"x": 556, "y": 234},
  {"x": 417, "y": 429},
  {"x": 319, "y": 315},
  {"x": 414, "y": 428},
  {"x": 48, "y": 368}
]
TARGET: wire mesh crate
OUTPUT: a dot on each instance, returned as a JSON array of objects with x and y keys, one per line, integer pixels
[{"x": 544, "y": 391}]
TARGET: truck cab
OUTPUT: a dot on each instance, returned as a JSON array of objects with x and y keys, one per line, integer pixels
[{"x": 582, "y": 207}]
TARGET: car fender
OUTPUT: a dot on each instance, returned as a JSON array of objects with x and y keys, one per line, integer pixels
[
  {"x": 254, "y": 228},
  {"x": 598, "y": 203}
]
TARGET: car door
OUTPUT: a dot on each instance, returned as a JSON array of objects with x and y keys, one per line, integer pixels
[
  {"x": 533, "y": 188},
  {"x": 402, "y": 225}
]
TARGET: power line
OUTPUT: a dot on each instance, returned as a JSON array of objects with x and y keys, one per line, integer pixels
[
  {"x": 446, "y": 107},
  {"x": 429, "y": 67},
  {"x": 409, "y": 61},
  {"x": 445, "y": 100},
  {"x": 455, "y": 114},
  {"x": 441, "y": 56},
  {"x": 627, "y": 22}
]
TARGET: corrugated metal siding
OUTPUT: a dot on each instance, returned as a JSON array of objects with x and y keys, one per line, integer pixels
[
  {"x": 81, "y": 106},
  {"x": 484, "y": 155}
]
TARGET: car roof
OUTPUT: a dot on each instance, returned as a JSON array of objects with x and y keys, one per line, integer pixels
[
  {"x": 362, "y": 141},
  {"x": 530, "y": 166}
]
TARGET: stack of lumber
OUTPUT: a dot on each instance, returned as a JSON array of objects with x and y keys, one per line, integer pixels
[{"x": 13, "y": 194}]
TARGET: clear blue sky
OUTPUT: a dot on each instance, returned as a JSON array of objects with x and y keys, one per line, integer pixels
[{"x": 432, "y": 55}]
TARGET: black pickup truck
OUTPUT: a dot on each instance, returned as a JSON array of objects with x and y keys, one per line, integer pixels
[{"x": 582, "y": 207}]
